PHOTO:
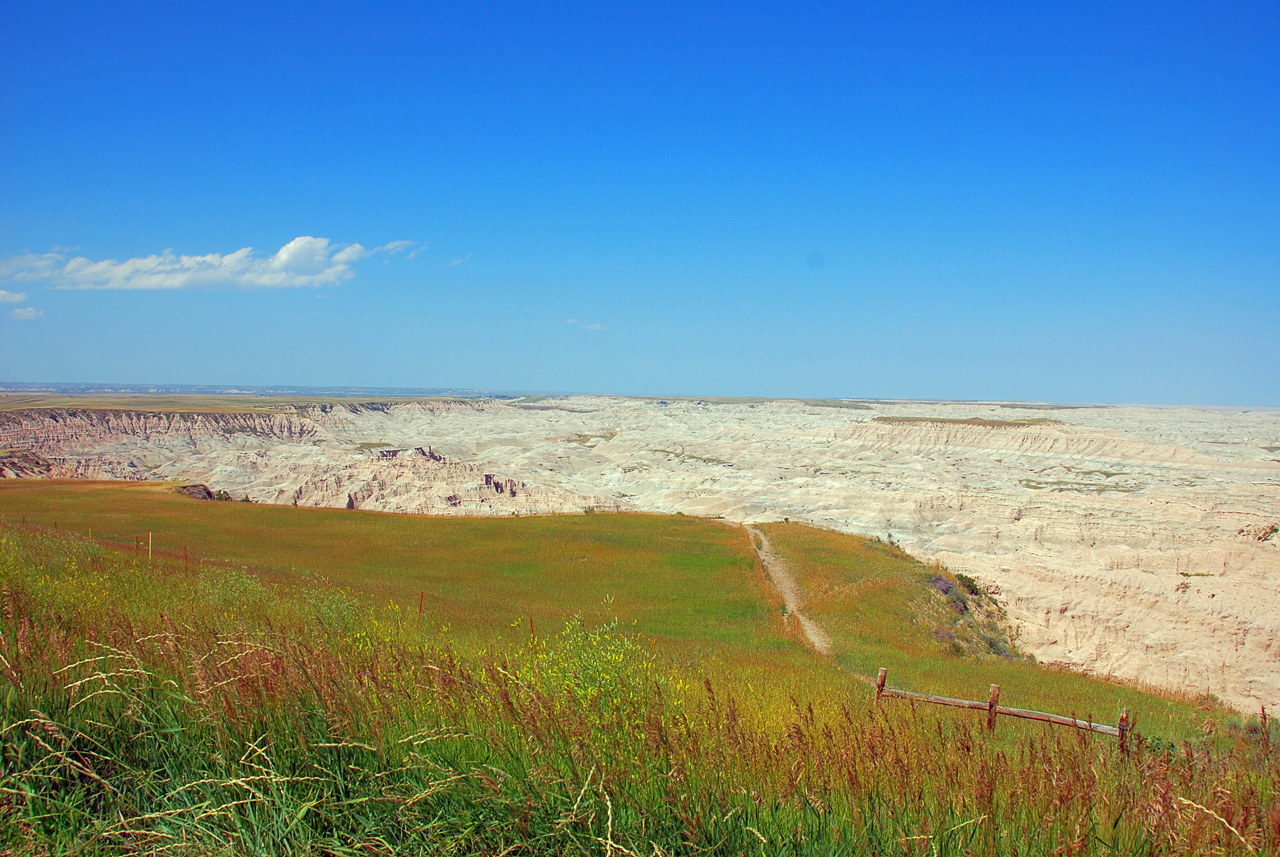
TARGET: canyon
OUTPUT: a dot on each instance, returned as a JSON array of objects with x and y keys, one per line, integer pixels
[{"x": 1136, "y": 542}]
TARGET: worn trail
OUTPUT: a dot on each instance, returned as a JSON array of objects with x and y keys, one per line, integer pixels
[{"x": 792, "y": 595}]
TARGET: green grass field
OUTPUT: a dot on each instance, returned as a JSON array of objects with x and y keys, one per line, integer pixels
[
  {"x": 277, "y": 692},
  {"x": 690, "y": 585},
  {"x": 873, "y": 600}
]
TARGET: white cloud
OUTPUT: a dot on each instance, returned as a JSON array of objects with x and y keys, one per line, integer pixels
[
  {"x": 307, "y": 256},
  {"x": 459, "y": 261},
  {"x": 593, "y": 327},
  {"x": 12, "y": 297},
  {"x": 304, "y": 261},
  {"x": 27, "y": 313},
  {"x": 353, "y": 253}
]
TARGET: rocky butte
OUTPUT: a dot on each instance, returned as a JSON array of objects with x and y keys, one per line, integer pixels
[{"x": 1136, "y": 542}]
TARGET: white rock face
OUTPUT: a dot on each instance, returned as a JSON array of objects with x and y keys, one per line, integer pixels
[{"x": 1124, "y": 541}]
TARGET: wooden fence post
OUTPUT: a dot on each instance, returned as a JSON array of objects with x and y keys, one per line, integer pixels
[
  {"x": 993, "y": 708},
  {"x": 1266, "y": 733}
]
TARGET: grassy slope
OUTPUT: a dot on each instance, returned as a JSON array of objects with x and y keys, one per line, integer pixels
[
  {"x": 876, "y": 603},
  {"x": 150, "y": 708},
  {"x": 689, "y": 584},
  {"x": 145, "y": 705}
]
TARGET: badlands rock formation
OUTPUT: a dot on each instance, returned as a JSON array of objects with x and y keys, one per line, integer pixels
[{"x": 1124, "y": 541}]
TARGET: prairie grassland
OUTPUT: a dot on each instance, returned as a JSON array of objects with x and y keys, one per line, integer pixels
[
  {"x": 881, "y": 611},
  {"x": 149, "y": 707},
  {"x": 690, "y": 586},
  {"x": 690, "y": 583}
]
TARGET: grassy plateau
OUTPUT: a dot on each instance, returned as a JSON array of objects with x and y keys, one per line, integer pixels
[{"x": 271, "y": 680}]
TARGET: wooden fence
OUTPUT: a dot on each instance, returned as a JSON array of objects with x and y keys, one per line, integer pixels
[{"x": 993, "y": 708}]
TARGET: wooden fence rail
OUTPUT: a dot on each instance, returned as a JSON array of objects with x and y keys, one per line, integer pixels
[{"x": 993, "y": 709}]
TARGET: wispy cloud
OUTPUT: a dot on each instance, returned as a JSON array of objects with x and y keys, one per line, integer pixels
[
  {"x": 304, "y": 261},
  {"x": 12, "y": 297},
  {"x": 27, "y": 313},
  {"x": 593, "y": 326},
  {"x": 460, "y": 261}
]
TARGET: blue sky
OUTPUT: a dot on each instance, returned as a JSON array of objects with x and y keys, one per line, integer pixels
[{"x": 1064, "y": 202}]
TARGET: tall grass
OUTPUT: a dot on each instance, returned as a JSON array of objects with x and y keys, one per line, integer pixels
[{"x": 150, "y": 709}]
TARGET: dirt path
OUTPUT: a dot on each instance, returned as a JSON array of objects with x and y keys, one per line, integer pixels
[{"x": 780, "y": 576}]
